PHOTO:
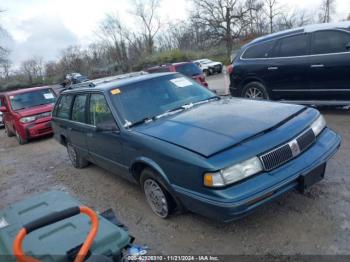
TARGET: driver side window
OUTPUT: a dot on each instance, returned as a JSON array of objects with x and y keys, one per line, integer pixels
[{"x": 99, "y": 112}]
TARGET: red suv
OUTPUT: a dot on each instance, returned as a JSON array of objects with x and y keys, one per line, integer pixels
[
  {"x": 27, "y": 112},
  {"x": 186, "y": 68}
]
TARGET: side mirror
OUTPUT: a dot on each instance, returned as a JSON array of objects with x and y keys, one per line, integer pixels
[
  {"x": 107, "y": 127},
  {"x": 3, "y": 109}
]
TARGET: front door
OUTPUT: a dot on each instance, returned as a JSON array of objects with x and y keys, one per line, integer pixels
[
  {"x": 330, "y": 65},
  {"x": 288, "y": 71}
]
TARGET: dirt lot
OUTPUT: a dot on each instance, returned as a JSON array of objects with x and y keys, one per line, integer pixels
[{"x": 315, "y": 223}]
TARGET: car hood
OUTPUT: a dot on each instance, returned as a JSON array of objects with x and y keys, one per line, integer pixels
[
  {"x": 35, "y": 110},
  {"x": 215, "y": 126}
]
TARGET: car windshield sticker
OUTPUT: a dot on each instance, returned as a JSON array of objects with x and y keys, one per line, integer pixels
[
  {"x": 12, "y": 97},
  {"x": 181, "y": 82},
  {"x": 48, "y": 96},
  {"x": 115, "y": 91}
]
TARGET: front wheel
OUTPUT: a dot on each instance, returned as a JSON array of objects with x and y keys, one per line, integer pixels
[
  {"x": 74, "y": 156},
  {"x": 255, "y": 90},
  {"x": 157, "y": 197},
  {"x": 20, "y": 139}
]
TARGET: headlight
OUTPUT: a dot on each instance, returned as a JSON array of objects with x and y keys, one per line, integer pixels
[
  {"x": 318, "y": 125},
  {"x": 233, "y": 174},
  {"x": 27, "y": 119}
]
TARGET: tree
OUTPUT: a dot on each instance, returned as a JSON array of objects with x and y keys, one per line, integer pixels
[
  {"x": 297, "y": 18},
  {"x": 326, "y": 11},
  {"x": 222, "y": 19},
  {"x": 146, "y": 11},
  {"x": 272, "y": 10},
  {"x": 33, "y": 69}
]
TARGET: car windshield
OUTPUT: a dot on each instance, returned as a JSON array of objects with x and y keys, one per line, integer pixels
[
  {"x": 188, "y": 69},
  {"x": 32, "y": 98},
  {"x": 154, "y": 97}
]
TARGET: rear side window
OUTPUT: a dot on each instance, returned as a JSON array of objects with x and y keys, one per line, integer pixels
[
  {"x": 262, "y": 50},
  {"x": 189, "y": 69},
  {"x": 99, "y": 112},
  {"x": 330, "y": 41},
  {"x": 78, "y": 111},
  {"x": 63, "y": 108},
  {"x": 294, "y": 46},
  {"x": 159, "y": 70}
]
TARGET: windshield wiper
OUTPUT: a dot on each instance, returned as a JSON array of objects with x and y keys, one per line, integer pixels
[
  {"x": 175, "y": 110},
  {"x": 207, "y": 100},
  {"x": 142, "y": 121}
]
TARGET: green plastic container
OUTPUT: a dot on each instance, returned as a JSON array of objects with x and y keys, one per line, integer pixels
[{"x": 51, "y": 243}]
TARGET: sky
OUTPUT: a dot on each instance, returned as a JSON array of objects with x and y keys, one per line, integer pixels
[{"x": 45, "y": 27}]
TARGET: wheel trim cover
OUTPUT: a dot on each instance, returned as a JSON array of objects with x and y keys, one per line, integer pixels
[{"x": 156, "y": 198}]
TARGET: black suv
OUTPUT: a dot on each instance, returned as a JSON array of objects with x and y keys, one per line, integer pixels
[{"x": 305, "y": 65}]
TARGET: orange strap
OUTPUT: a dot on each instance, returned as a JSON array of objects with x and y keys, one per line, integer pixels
[{"x": 21, "y": 257}]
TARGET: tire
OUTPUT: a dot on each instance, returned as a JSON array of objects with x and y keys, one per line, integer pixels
[
  {"x": 157, "y": 197},
  {"x": 76, "y": 160},
  {"x": 8, "y": 132},
  {"x": 255, "y": 90},
  {"x": 20, "y": 140},
  {"x": 206, "y": 72}
]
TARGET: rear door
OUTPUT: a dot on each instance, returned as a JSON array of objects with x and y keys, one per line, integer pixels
[
  {"x": 289, "y": 68},
  {"x": 77, "y": 128},
  {"x": 330, "y": 65},
  {"x": 105, "y": 147}
]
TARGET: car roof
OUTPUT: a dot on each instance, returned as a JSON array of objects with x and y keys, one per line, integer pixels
[
  {"x": 305, "y": 29},
  {"x": 24, "y": 90},
  {"x": 115, "y": 83}
]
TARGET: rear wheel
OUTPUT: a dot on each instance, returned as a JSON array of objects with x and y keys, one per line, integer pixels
[
  {"x": 74, "y": 156},
  {"x": 20, "y": 139},
  {"x": 8, "y": 131},
  {"x": 206, "y": 72},
  {"x": 160, "y": 201},
  {"x": 255, "y": 90}
]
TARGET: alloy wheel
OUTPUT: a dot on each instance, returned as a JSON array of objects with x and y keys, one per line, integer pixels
[
  {"x": 156, "y": 198},
  {"x": 254, "y": 93}
]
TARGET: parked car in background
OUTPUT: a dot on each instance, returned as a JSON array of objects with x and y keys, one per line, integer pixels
[
  {"x": 1, "y": 115},
  {"x": 1, "y": 120},
  {"x": 186, "y": 68},
  {"x": 308, "y": 65},
  {"x": 27, "y": 112},
  {"x": 209, "y": 67},
  {"x": 190, "y": 149}
]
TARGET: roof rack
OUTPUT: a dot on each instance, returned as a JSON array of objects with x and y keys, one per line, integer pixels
[{"x": 99, "y": 81}]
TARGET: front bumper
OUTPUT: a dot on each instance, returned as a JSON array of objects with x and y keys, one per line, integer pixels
[
  {"x": 37, "y": 129},
  {"x": 275, "y": 183}
]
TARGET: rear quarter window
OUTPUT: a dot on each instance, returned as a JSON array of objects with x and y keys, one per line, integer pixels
[
  {"x": 63, "y": 107},
  {"x": 261, "y": 50},
  {"x": 189, "y": 69},
  {"x": 159, "y": 70}
]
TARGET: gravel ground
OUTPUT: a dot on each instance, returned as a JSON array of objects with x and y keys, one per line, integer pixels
[{"x": 314, "y": 223}]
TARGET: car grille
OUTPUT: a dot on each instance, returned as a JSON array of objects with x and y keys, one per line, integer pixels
[{"x": 288, "y": 151}]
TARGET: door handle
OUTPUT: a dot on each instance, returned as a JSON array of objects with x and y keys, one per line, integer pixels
[
  {"x": 317, "y": 66},
  {"x": 69, "y": 129},
  {"x": 89, "y": 135},
  {"x": 272, "y": 68}
]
